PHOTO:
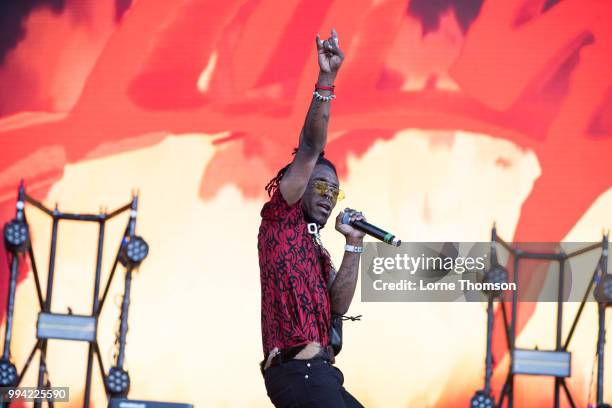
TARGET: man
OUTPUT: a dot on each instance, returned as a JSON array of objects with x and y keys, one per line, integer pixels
[{"x": 300, "y": 290}]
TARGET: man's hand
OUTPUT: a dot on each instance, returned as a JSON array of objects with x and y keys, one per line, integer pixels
[
  {"x": 347, "y": 230},
  {"x": 330, "y": 54}
]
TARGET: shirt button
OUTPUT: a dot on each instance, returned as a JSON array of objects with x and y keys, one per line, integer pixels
[
  {"x": 307, "y": 364},
  {"x": 306, "y": 376}
]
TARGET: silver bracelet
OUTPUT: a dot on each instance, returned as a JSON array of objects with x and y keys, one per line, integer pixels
[
  {"x": 320, "y": 97},
  {"x": 353, "y": 248}
]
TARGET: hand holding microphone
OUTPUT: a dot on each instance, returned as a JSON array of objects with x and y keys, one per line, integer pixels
[
  {"x": 352, "y": 224},
  {"x": 346, "y": 229}
]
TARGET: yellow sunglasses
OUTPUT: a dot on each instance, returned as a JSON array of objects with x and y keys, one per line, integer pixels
[{"x": 323, "y": 187}]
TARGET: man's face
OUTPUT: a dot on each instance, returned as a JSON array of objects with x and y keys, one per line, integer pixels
[{"x": 318, "y": 206}]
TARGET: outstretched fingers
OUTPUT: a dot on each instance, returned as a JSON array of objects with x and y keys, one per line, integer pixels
[
  {"x": 334, "y": 44},
  {"x": 319, "y": 43},
  {"x": 330, "y": 45}
]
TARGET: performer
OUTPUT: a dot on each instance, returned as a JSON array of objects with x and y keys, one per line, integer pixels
[{"x": 300, "y": 289}]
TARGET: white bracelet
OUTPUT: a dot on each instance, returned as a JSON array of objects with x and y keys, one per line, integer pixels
[
  {"x": 320, "y": 97},
  {"x": 353, "y": 248}
]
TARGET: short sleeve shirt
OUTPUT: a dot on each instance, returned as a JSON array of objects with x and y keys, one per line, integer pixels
[{"x": 294, "y": 272}]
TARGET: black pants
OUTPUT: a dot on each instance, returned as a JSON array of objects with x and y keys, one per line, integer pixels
[{"x": 313, "y": 383}]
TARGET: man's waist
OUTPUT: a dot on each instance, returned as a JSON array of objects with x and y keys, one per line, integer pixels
[{"x": 301, "y": 352}]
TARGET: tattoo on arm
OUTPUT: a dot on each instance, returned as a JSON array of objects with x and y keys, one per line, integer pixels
[
  {"x": 343, "y": 286},
  {"x": 317, "y": 119},
  {"x": 315, "y": 106},
  {"x": 332, "y": 278}
]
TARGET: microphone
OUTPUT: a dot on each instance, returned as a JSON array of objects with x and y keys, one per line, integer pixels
[{"x": 372, "y": 230}]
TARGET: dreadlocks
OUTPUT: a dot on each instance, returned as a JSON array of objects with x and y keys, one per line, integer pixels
[{"x": 273, "y": 184}]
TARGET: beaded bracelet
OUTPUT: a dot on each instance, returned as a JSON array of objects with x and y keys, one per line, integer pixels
[{"x": 320, "y": 97}]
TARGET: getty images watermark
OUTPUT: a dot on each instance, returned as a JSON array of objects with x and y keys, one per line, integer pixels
[{"x": 449, "y": 272}]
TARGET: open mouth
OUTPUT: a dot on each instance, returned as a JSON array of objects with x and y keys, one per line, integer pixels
[{"x": 325, "y": 205}]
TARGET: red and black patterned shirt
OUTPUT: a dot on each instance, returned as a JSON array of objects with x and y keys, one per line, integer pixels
[{"x": 294, "y": 272}]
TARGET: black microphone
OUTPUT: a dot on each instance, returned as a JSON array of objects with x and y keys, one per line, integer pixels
[{"x": 371, "y": 230}]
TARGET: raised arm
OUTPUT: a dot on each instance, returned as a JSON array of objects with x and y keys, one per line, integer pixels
[{"x": 314, "y": 133}]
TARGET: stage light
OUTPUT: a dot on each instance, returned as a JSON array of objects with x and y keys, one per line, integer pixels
[
  {"x": 603, "y": 291},
  {"x": 482, "y": 400},
  {"x": 134, "y": 251},
  {"x": 497, "y": 274},
  {"x": 16, "y": 236},
  {"x": 8, "y": 373},
  {"x": 117, "y": 382}
]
